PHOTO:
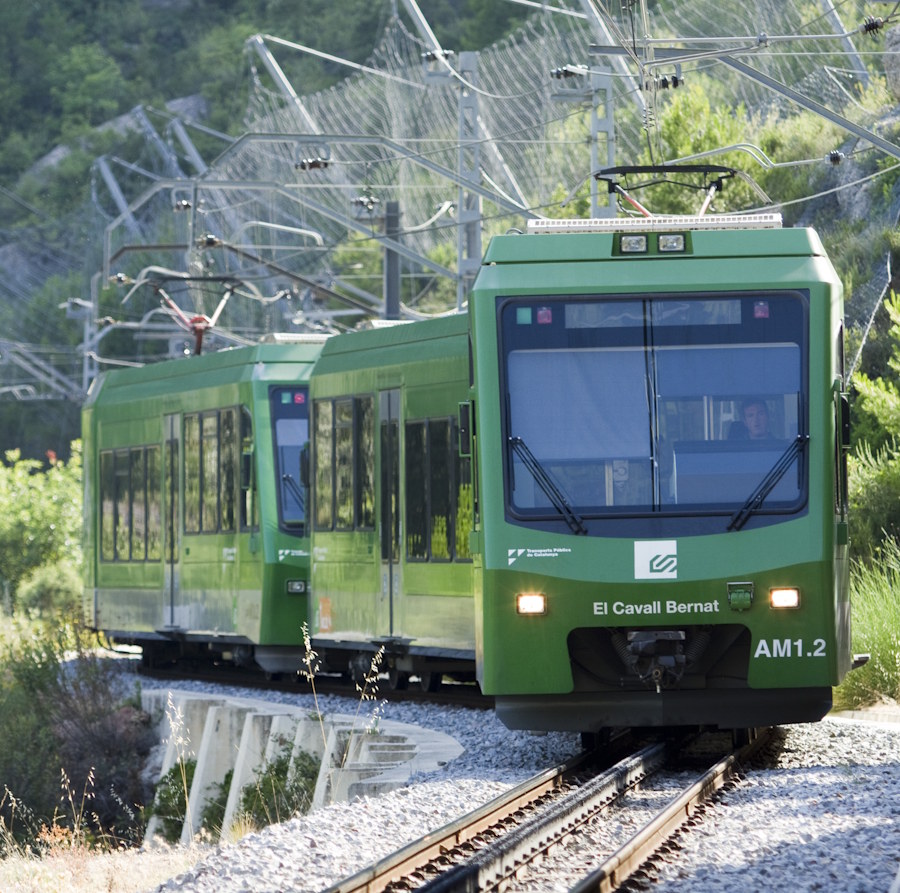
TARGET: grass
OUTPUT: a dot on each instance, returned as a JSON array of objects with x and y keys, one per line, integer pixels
[
  {"x": 876, "y": 630},
  {"x": 69, "y": 870},
  {"x": 66, "y": 857}
]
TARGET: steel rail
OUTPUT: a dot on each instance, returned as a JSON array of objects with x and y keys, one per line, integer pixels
[
  {"x": 495, "y": 865},
  {"x": 380, "y": 874},
  {"x": 636, "y": 851}
]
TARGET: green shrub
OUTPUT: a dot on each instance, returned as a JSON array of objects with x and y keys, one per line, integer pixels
[
  {"x": 212, "y": 818},
  {"x": 171, "y": 798},
  {"x": 874, "y": 498},
  {"x": 51, "y": 589},
  {"x": 283, "y": 789},
  {"x": 62, "y": 711},
  {"x": 876, "y": 631}
]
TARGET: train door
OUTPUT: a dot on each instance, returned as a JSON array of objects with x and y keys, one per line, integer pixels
[
  {"x": 389, "y": 526},
  {"x": 172, "y": 523}
]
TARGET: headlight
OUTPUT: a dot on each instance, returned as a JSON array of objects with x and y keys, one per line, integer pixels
[
  {"x": 531, "y": 603},
  {"x": 784, "y": 598}
]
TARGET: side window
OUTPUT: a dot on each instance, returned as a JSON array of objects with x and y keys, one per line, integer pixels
[
  {"x": 441, "y": 487},
  {"x": 228, "y": 463},
  {"x": 107, "y": 505},
  {"x": 138, "y": 505},
  {"x": 365, "y": 462},
  {"x": 249, "y": 500},
  {"x": 343, "y": 464},
  {"x": 416, "y": 491},
  {"x": 154, "y": 504},
  {"x": 323, "y": 463},
  {"x": 192, "y": 473},
  {"x": 209, "y": 471},
  {"x": 123, "y": 507},
  {"x": 130, "y": 504},
  {"x": 465, "y": 502},
  {"x": 439, "y": 509}
]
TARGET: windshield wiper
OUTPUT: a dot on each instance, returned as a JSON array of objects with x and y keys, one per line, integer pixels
[
  {"x": 295, "y": 488},
  {"x": 548, "y": 485},
  {"x": 766, "y": 485}
]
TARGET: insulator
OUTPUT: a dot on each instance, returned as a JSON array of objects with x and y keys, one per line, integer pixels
[
  {"x": 871, "y": 25},
  {"x": 835, "y": 157}
]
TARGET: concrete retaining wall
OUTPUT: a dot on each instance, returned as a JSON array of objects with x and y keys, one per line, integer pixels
[{"x": 242, "y": 736}]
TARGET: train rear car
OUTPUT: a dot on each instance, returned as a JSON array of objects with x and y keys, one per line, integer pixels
[
  {"x": 660, "y": 436},
  {"x": 393, "y": 502},
  {"x": 196, "y": 535}
]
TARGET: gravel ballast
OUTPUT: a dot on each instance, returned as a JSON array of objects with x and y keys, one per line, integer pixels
[{"x": 826, "y": 818}]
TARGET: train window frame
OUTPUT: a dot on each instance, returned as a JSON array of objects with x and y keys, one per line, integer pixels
[
  {"x": 249, "y": 485},
  {"x": 364, "y": 439},
  {"x": 344, "y": 464},
  {"x": 357, "y": 491},
  {"x": 526, "y": 320},
  {"x": 322, "y": 434},
  {"x": 129, "y": 487},
  {"x": 419, "y": 500},
  {"x": 290, "y": 487},
  {"x": 207, "y": 468}
]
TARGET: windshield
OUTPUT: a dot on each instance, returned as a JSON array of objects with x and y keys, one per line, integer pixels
[
  {"x": 653, "y": 404},
  {"x": 290, "y": 422}
]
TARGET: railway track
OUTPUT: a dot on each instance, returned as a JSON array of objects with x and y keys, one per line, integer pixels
[{"x": 494, "y": 847}]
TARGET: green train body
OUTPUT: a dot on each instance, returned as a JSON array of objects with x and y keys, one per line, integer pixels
[
  {"x": 553, "y": 493},
  {"x": 196, "y": 540},
  {"x": 393, "y": 500},
  {"x": 630, "y": 546}
]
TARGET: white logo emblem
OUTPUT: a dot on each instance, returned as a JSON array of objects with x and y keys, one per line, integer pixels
[
  {"x": 656, "y": 560},
  {"x": 513, "y": 555}
]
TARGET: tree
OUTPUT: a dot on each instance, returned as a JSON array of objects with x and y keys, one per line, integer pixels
[
  {"x": 875, "y": 464},
  {"x": 688, "y": 125},
  {"x": 40, "y": 516},
  {"x": 87, "y": 87}
]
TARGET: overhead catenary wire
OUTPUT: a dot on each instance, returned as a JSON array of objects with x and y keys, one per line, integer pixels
[{"x": 542, "y": 143}]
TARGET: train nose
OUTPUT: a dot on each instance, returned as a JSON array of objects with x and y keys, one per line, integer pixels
[{"x": 656, "y": 657}]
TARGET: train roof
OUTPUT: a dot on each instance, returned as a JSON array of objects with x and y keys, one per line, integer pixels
[
  {"x": 212, "y": 369},
  {"x": 708, "y": 236},
  {"x": 421, "y": 336}
]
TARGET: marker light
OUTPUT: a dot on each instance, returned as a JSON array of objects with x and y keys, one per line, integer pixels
[
  {"x": 296, "y": 586},
  {"x": 531, "y": 603},
  {"x": 740, "y": 596},
  {"x": 671, "y": 242},
  {"x": 633, "y": 244},
  {"x": 784, "y": 598}
]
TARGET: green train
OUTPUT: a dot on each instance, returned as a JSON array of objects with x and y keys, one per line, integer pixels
[
  {"x": 196, "y": 535},
  {"x": 393, "y": 502},
  {"x": 650, "y": 553},
  {"x": 613, "y": 491}
]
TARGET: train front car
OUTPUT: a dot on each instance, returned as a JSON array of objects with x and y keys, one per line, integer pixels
[
  {"x": 196, "y": 538},
  {"x": 661, "y": 455}
]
